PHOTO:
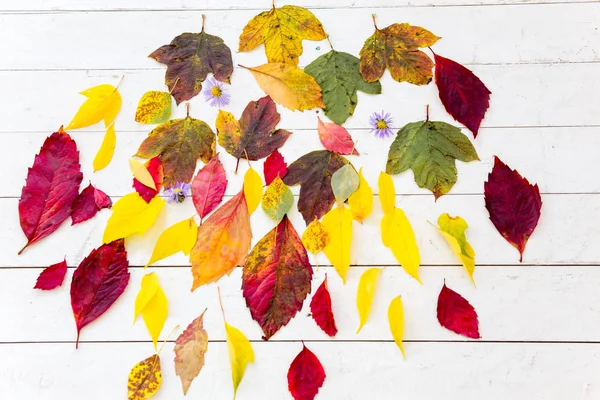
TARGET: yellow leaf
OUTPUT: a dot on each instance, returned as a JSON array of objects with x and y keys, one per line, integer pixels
[
  {"x": 397, "y": 234},
  {"x": 131, "y": 215},
  {"x": 338, "y": 225},
  {"x": 141, "y": 173},
  {"x": 252, "y": 189},
  {"x": 315, "y": 237},
  {"x": 103, "y": 102},
  {"x": 453, "y": 230},
  {"x": 178, "y": 237},
  {"x": 145, "y": 379},
  {"x": 361, "y": 201},
  {"x": 154, "y": 107},
  {"x": 396, "y": 320},
  {"x": 107, "y": 149},
  {"x": 289, "y": 86},
  {"x": 365, "y": 293},
  {"x": 387, "y": 193},
  {"x": 240, "y": 354},
  {"x": 152, "y": 303}
]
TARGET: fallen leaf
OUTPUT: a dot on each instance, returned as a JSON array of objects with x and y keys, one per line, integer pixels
[
  {"x": 240, "y": 354},
  {"x": 456, "y": 314},
  {"x": 107, "y": 149},
  {"x": 178, "y": 237},
  {"x": 88, "y": 203},
  {"x": 103, "y": 103},
  {"x": 338, "y": 225},
  {"x": 274, "y": 166},
  {"x": 396, "y": 321},
  {"x": 305, "y": 376},
  {"x": 131, "y": 215},
  {"x": 282, "y": 31},
  {"x": 98, "y": 282},
  {"x": 276, "y": 278},
  {"x": 361, "y": 201},
  {"x": 51, "y": 186},
  {"x": 336, "y": 138},
  {"x": 144, "y": 379},
  {"x": 344, "y": 182},
  {"x": 154, "y": 107},
  {"x": 453, "y": 230},
  {"x": 430, "y": 149},
  {"x": 387, "y": 193},
  {"x": 277, "y": 200},
  {"x": 320, "y": 309},
  {"x": 338, "y": 74},
  {"x": 208, "y": 187},
  {"x": 513, "y": 203},
  {"x": 141, "y": 173},
  {"x": 190, "y": 348},
  {"x": 365, "y": 293},
  {"x": 52, "y": 277},
  {"x": 315, "y": 237},
  {"x": 252, "y": 189},
  {"x": 151, "y": 302},
  {"x": 154, "y": 167},
  {"x": 288, "y": 86}
]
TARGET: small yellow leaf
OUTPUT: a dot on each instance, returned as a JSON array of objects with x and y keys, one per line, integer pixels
[
  {"x": 131, "y": 215},
  {"x": 141, "y": 173},
  {"x": 240, "y": 354},
  {"x": 361, "y": 201},
  {"x": 398, "y": 235},
  {"x": 338, "y": 225},
  {"x": 396, "y": 320},
  {"x": 365, "y": 293},
  {"x": 252, "y": 189},
  {"x": 107, "y": 149},
  {"x": 453, "y": 230},
  {"x": 387, "y": 193},
  {"x": 103, "y": 102},
  {"x": 152, "y": 303},
  {"x": 145, "y": 379},
  {"x": 154, "y": 107},
  {"x": 178, "y": 237},
  {"x": 315, "y": 237}
]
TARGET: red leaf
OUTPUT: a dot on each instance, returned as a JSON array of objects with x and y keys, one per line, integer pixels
[
  {"x": 463, "y": 94},
  {"x": 274, "y": 166},
  {"x": 336, "y": 138},
  {"x": 154, "y": 166},
  {"x": 98, "y": 282},
  {"x": 208, "y": 187},
  {"x": 455, "y": 313},
  {"x": 320, "y": 308},
  {"x": 306, "y": 375},
  {"x": 88, "y": 203},
  {"x": 52, "y": 276},
  {"x": 276, "y": 278},
  {"x": 51, "y": 186},
  {"x": 513, "y": 203}
]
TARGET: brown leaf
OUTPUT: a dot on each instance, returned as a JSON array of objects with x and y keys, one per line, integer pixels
[{"x": 190, "y": 348}]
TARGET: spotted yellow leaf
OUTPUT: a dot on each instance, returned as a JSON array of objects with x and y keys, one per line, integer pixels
[
  {"x": 315, "y": 237},
  {"x": 453, "y": 229},
  {"x": 396, "y": 321},
  {"x": 338, "y": 225},
  {"x": 365, "y": 293},
  {"x": 361, "y": 201},
  {"x": 107, "y": 149},
  {"x": 154, "y": 107},
  {"x": 103, "y": 103},
  {"x": 277, "y": 200},
  {"x": 178, "y": 237},
  {"x": 145, "y": 379},
  {"x": 131, "y": 215},
  {"x": 252, "y": 189}
]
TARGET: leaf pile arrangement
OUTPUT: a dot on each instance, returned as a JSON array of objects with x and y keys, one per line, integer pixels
[{"x": 333, "y": 197}]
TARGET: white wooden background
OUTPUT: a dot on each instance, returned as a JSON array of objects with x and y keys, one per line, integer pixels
[{"x": 540, "y": 320}]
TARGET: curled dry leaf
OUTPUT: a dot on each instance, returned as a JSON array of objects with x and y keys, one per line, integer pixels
[
  {"x": 336, "y": 138},
  {"x": 190, "y": 348},
  {"x": 154, "y": 107},
  {"x": 338, "y": 225},
  {"x": 274, "y": 166},
  {"x": 103, "y": 103},
  {"x": 277, "y": 200},
  {"x": 132, "y": 215},
  {"x": 456, "y": 314},
  {"x": 154, "y": 167},
  {"x": 178, "y": 237},
  {"x": 453, "y": 229},
  {"x": 107, "y": 149},
  {"x": 52, "y": 277},
  {"x": 305, "y": 376},
  {"x": 208, "y": 187},
  {"x": 88, "y": 203},
  {"x": 315, "y": 237},
  {"x": 396, "y": 321},
  {"x": 320, "y": 309},
  {"x": 365, "y": 293},
  {"x": 144, "y": 379},
  {"x": 151, "y": 302},
  {"x": 361, "y": 201}
]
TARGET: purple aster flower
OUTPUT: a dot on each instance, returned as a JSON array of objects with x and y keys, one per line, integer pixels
[
  {"x": 178, "y": 193},
  {"x": 381, "y": 123},
  {"x": 214, "y": 93}
]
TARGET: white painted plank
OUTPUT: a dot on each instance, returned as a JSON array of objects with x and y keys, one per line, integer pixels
[
  {"x": 432, "y": 371},
  {"x": 470, "y": 34}
]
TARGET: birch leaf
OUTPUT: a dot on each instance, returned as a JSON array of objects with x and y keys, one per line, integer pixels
[
  {"x": 145, "y": 379},
  {"x": 344, "y": 182},
  {"x": 396, "y": 321},
  {"x": 151, "y": 302},
  {"x": 252, "y": 189},
  {"x": 240, "y": 354},
  {"x": 190, "y": 348},
  {"x": 315, "y": 237},
  {"x": 140, "y": 172},
  {"x": 277, "y": 200},
  {"x": 453, "y": 230},
  {"x": 103, "y": 103},
  {"x": 365, "y": 293},
  {"x": 361, "y": 201},
  {"x": 338, "y": 225},
  {"x": 131, "y": 214},
  {"x": 178, "y": 237},
  {"x": 107, "y": 149},
  {"x": 154, "y": 107}
]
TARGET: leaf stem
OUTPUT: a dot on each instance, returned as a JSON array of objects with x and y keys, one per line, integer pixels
[
  {"x": 120, "y": 80},
  {"x": 187, "y": 109},
  {"x": 221, "y": 303},
  {"x": 329, "y": 41},
  {"x": 174, "y": 84},
  {"x": 374, "y": 22},
  {"x": 203, "y": 19},
  {"x": 167, "y": 338},
  {"x": 273, "y": 3},
  {"x": 427, "y": 112}
]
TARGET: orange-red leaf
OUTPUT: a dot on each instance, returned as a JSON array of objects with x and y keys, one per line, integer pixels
[
  {"x": 320, "y": 308},
  {"x": 305, "y": 376},
  {"x": 274, "y": 167},
  {"x": 208, "y": 187},
  {"x": 455, "y": 313},
  {"x": 336, "y": 138},
  {"x": 153, "y": 166}
]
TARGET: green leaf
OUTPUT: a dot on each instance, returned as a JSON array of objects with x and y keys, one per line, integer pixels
[
  {"x": 277, "y": 200},
  {"x": 339, "y": 76},
  {"x": 344, "y": 182},
  {"x": 430, "y": 149}
]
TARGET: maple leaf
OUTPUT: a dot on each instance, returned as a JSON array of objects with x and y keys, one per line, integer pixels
[
  {"x": 305, "y": 376},
  {"x": 179, "y": 143},
  {"x": 131, "y": 215},
  {"x": 276, "y": 278},
  {"x": 144, "y": 379},
  {"x": 315, "y": 237},
  {"x": 98, "y": 282},
  {"x": 339, "y": 76},
  {"x": 396, "y": 48},
  {"x": 51, "y": 186},
  {"x": 155, "y": 169},
  {"x": 365, "y": 294},
  {"x": 463, "y": 94},
  {"x": 254, "y": 136},
  {"x": 513, "y": 203},
  {"x": 282, "y": 31},
  {"x": 52, "y": 277},
  {"x": 338, "y": 225},
  {"x": 453, "y": 230},
  {"x": 361, "y": 201},
  {"x": 456, "y": 314},
  {"x": 154, "y": 107},
  {"x": 274, "y": 166},
  {"x": 320, "y": 309},
  {"x": 277, "y": 200},
  {"x": 189, "y": 58},
  {"x": 190, "y": 348},
  {"x": 430, "y": 149},
  {"x": 151, "y": 302},
  {"x": 88, "y": 203},
  {"x": 178, "y": 237},
  {"x": 313, "y": 172},
  {"x": 287, "y": 85},
  {"x": 208, "y": 187},
  {"x": 103, "y": 103},
  {"x": 336, "y": 138},
  {"x": 396, "y": 322}
]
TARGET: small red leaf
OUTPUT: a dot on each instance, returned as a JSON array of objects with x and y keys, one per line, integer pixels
[
  {"x": 154, "y": 166},
  {"x": 52, "y": 276},
  {"x": 305, "y": 376},
  {"x": 208, "y": 187},
  {"x": 320, "y": 308},
  {"x": 455, "y": 313},
  {"x": 463, "y": 94},
  {"x": 88, "y": 203},
  {"x": 513, "y": 203},
  {"x": 336, "y": 138},
  {"x": 274, "y": 166},
  {"x": 98, "y": 282},
  {"x": 51, "y": 186}
]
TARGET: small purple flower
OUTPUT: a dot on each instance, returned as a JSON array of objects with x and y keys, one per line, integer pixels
[
  {"x": 214, "y": 93},
  {"x": 178, "y": 193},
  {"x": 381, "y": 123}
]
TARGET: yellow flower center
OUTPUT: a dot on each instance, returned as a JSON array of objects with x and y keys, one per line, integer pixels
[
  {"x": 176, "y": 190},
  {"x": 381, "y": 124},
  {"x": 216, "y": 91}
]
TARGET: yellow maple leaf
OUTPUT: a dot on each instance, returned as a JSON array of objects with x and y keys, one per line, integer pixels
[
  {"x": 103, "y": 103},
  {"x": 365, "y": 293},
  {"x": 151, "y": 302},
  {"x": 396, "y": 321},
  {"x": 178, "y": 237},
  {"x": 398, "y": 235},
  {"x": 240, "y": 354},
  {"x": 315, "y": 237},
  {"x": 387, "y": 193},
  {"x": 144, "y": 379},
  {"x": 361, "y": 201},
  {"x": 141, "y": 173},
  {"x": 338, "y": 225},
  {"x": 453, "y": 230},
  {"x": 131, "y": 215},
  {"x": 252, "y": 189},
  {"x": 107, "y": 149}
]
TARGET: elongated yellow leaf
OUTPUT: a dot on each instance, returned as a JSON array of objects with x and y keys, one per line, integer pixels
[
  {"x": 252, "y": 189},
  {"x": 365, "y": 293},
  {"x": 141, "y": 173},
  {"x": 315, "y": 237},
  {"x": 131, "y": 215},
  {"x": 240, "y": 354},
  {"x": 453, "y": 229},
  {"x": 145, "y": 379},
  {"x": 178, "y": 237},
  {"x": 387, "y": 193},
  {"x": 398, "y": 235},
  {"x": 103, "y": 103},
  {"x": 107, "y": 149},
  {"x": 361, "y": 201},
  {"x": 152, "y": 303},
  {"x": 338, "y": 225},
  {"x": 396, "y": 320}
]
